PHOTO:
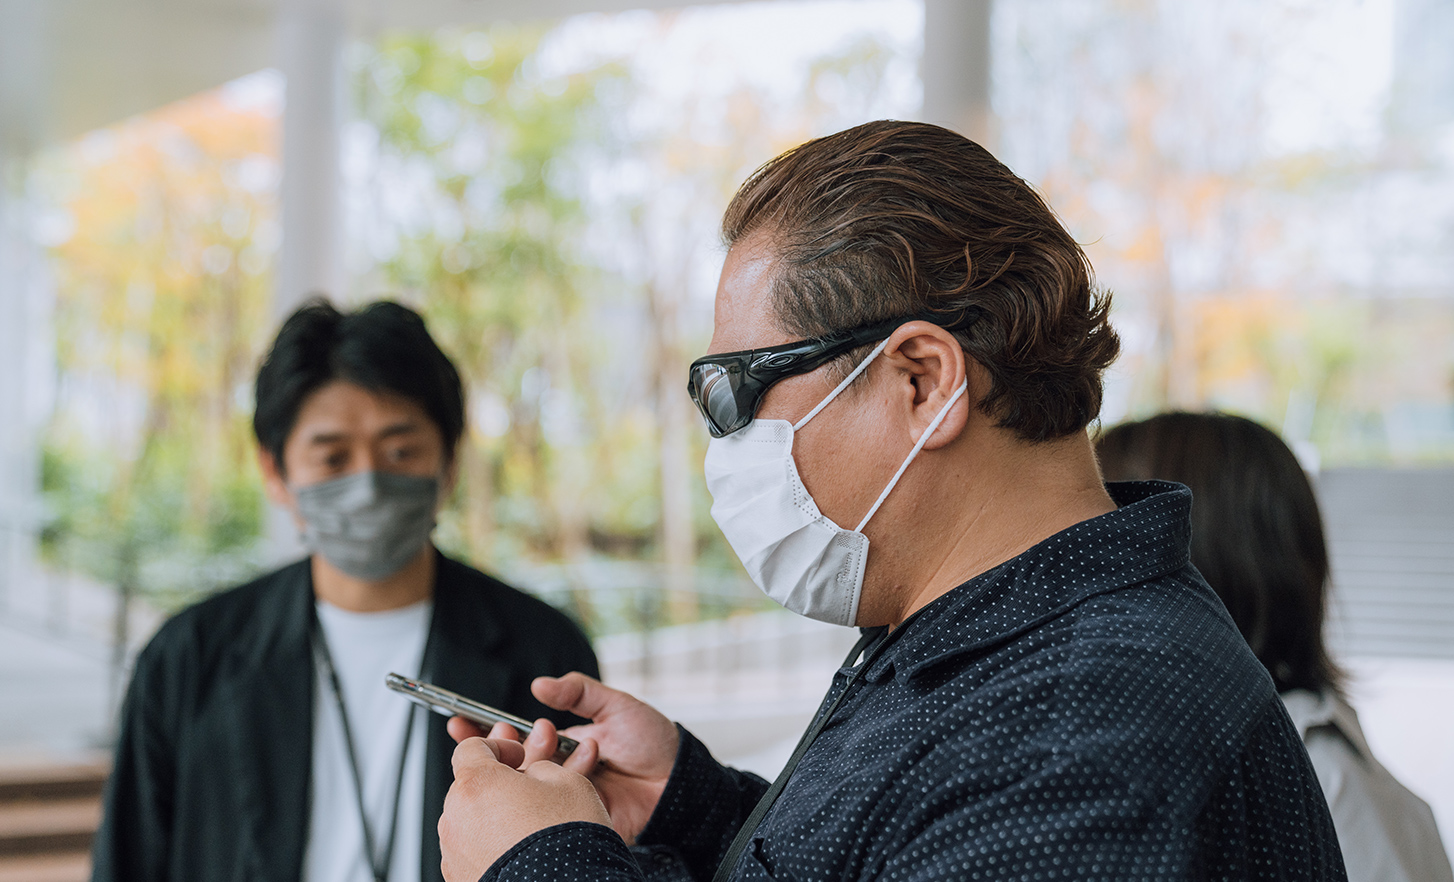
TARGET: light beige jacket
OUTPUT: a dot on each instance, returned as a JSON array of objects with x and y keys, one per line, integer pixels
[{"x": 1387, "y": 834}]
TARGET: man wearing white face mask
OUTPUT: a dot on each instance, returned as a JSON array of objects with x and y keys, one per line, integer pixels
[
  {"x": 258, "y": 740},
  {"x": 907, "y": 351}
]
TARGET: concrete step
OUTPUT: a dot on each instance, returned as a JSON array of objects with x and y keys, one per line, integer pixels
[
  {"x": 21, "y": 781},
  {"x": 47, "y": 868},
  {"x": 53, "y": 826},
  {"x": 48, "y": 815}
]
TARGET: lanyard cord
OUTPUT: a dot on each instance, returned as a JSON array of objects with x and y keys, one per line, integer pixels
[
  {"x": 754, "y": 820},
  {"x": 378, "y": 864}
]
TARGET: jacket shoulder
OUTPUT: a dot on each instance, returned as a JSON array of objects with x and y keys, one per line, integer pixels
[
  {"x": 506, "y": 596},
  {"x": 228, "y": 619},
  {"x": 518, "y": 612},
  {"x": 1139, "y": 678},
  {"x": 1175, "y": 626}
]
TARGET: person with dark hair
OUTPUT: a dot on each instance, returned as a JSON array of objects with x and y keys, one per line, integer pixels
[
  {"x": 907, "y": 352},
  {"x": 257, "y": 740},
  {"x": 1257, "y": 537}
]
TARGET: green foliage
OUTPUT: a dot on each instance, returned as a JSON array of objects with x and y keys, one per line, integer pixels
[
  {"x": 162, "y": 294},
  {"x": 147, "y": 534},
  {"x": 497, "y": 269},
  {"x": 565, "y": 311}
]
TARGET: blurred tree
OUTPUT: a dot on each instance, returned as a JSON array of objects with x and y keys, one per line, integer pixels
[
  {"x": 1234, "y": 182},
  {"x": 552, "y": 210},
  {"x": 552, "y": 222},
  {"x": 553, "y": 219},
  {"x": 485, "y": 147},
  {"x": 162, "y": 293}
]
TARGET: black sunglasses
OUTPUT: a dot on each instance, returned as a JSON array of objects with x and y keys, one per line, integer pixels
[{"x": 728, "y": 388}]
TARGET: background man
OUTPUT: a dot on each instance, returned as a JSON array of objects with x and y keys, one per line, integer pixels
[
  {"x": 1048, "y": 688},
  {"x": 257, "y": 739}
]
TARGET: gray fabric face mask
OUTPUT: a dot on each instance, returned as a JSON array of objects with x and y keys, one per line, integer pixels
[{"x": 368, "y": 524}]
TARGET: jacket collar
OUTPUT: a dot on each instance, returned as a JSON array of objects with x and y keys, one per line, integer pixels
[
  {"x": 271, "y": 705},
  {"x": 1147, "y": 536},
  {"x": 465, "y": 657},
  {"x": 1316, "y": 710}
]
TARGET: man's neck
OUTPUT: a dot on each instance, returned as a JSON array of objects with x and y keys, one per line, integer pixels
[
  {"x": 1015, "y": 497},
  {"x": 412, "y": 584}
]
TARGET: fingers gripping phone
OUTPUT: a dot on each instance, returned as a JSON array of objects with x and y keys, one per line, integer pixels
[{"x": 442, "y": 701}]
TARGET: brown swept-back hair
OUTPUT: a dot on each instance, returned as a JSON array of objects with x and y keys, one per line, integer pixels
[
  {"x": 891, "y": 219},
  {"x": 1256, "y": 533}
]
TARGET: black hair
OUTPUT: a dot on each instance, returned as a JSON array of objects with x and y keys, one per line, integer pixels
[
  {"x": 382, "y": 347},
  {"x": 1257, "y": 535}
]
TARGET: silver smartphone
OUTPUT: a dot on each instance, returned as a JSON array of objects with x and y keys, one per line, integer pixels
[{"x": 442, "y": 701}]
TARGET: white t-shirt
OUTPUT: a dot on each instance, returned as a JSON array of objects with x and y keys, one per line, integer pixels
[{"x": 365, "y": 647}]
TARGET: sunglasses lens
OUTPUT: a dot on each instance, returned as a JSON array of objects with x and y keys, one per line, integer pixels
[{"x": 716, "y": 398}]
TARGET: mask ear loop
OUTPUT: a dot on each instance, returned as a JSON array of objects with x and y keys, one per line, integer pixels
[
  {"x": 918, "y": 446},
  {"x": 862, "y": 366}
]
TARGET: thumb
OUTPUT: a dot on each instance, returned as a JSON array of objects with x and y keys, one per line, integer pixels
[
  {"x": 581, "y": 695},
  {"x": 459, "y": 729},
  {"x": 485, "y": 752}
]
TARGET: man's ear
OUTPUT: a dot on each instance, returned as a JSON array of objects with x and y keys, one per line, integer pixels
[
  {"x": 936, "y": 366},
  {"x": 274, "y": 484}
]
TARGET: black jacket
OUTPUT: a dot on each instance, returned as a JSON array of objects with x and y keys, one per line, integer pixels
[
  {"x": 1084, "y": 711},
  {"x": 213, "y": 757}
]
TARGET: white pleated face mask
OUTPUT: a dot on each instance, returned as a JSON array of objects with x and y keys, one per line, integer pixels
[{"x": 795, "y": 554}]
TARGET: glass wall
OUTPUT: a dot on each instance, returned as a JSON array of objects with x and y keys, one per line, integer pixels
[{"x": 1268, "y": 188}]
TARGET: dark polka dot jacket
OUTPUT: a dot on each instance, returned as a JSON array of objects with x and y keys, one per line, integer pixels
[{"x": 1086, "y": 710}]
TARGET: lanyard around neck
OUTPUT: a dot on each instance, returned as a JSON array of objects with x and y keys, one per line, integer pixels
[
  {"x": 754, "y": 820},
  {"x": 378, "y": 863}
]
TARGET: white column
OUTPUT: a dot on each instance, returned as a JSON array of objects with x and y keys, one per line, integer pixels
[
  {"x": 12, "y": 295},
  {"x": 312, "y": 35},
  {"x": 23, "y": 337},
  {"x": 956, "y": 67},
  {"x": 23, "y": 90}
]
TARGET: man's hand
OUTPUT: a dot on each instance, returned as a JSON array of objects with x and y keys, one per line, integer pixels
[
  {"x": 491, "y": 806},
  {"x": 627, "y": 750}
]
